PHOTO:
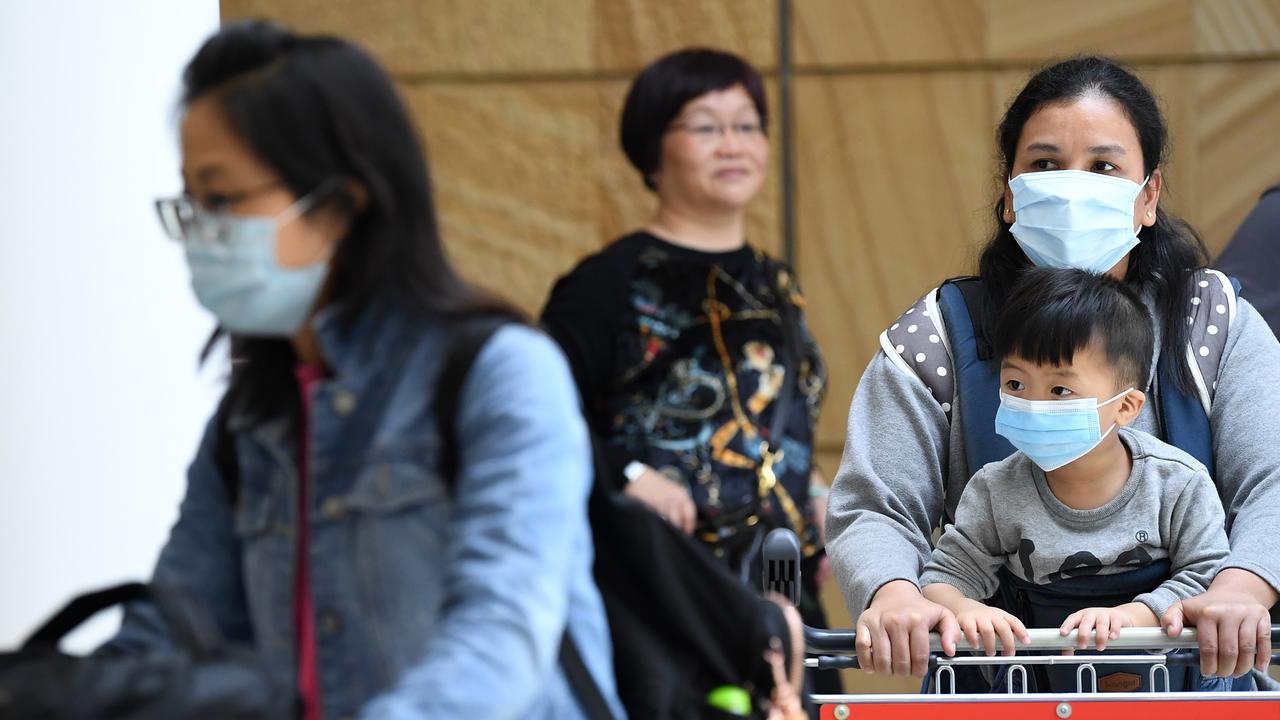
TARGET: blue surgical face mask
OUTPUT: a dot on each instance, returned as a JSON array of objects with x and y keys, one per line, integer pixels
[
  {"x": 1074, "y": 218},
  {"x": 236, "y": 276},
  {"x": 1052, "y": 432}
]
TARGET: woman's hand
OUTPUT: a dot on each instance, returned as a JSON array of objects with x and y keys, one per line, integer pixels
[
  {"x": 1232, "y": 621},
  {"x": 893, "y": 632},
  {"x": 666, "y": 498},
  {"x": 1106, "y": 623}
]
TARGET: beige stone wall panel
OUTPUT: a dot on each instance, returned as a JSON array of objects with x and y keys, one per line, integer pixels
[
  {"x": 447, "y": 37},
  {"x": 891, "y": 199},
  {"x": 514, "y": 181},
  {"x": 1020, "y": 30},
  {"x": 1233, "y": 27},
  {"x": 631, "y": 33},
  {"x": 867, "y": 32},
  {"x": 1236, "y": 141}
]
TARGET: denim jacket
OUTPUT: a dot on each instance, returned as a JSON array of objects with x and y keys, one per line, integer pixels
[{"x": 429, "y": 603}]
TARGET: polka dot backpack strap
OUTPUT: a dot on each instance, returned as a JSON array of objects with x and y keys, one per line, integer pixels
[
  {"x": 916, "y": 343},
  {"x": 1213, "y": 309}
]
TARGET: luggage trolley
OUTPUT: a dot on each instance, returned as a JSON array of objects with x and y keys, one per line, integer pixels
[{"x": 1149, "y": 647}]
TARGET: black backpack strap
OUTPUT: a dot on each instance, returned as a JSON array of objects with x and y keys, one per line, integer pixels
[
  {"x": 975, "y": 301},
  {"x": 466, "y": 339},
  {"x": 82, "y": 608},
  {"x": 962, "y": 303},
  {"x": 190, "y": 625},
  {"x": 584, "y": 687}
]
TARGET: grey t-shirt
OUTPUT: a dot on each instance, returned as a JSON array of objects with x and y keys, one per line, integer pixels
[{"x": 1009, "y": 517}]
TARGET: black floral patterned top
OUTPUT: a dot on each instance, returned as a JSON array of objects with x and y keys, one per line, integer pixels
[{"x": 679, "y": 356}]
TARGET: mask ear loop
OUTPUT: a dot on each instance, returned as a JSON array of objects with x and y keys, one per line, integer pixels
[
  {"x": 306, "y": 203},
  {"x": 1114, "y": 425},
  {"x": 1117, "y": 397}
]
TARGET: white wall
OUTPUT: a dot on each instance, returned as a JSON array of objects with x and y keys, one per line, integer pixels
[{"x": 101, "y": 401}]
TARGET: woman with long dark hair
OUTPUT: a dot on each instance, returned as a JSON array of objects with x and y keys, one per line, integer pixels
[
  {"x": 1081, "y": 150},
  {"x": 403, "y": 555}
]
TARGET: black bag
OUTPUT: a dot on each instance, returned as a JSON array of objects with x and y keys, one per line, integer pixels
[
  {"x": 682, "y": 624},
  {"x": 200, "y": 677}
]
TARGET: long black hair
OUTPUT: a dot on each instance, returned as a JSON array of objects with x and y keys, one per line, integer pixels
[
  {"x": 1169, "y": 251},
  {"x": 318, "y": 110}
]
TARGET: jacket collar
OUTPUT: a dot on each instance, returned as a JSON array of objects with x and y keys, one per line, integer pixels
[
  {"x": 353, "y": 354},
  {"x": 356, "y": 356}
]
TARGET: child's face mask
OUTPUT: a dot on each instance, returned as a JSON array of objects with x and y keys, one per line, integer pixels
[{"x": 1052, "y": 433}]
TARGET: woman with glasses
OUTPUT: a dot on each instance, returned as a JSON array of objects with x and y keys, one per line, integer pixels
[
  {"x": 689, "y": 345},
  {"x": 402, "y": 560}
]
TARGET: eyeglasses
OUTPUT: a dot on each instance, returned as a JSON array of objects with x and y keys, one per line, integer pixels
[
  {"x": 184, "y": 220},
  {"x": 710, "y": 132},
  {"x": 187, "y": 220}
]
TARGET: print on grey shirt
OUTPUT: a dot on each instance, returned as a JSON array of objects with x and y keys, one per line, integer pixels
[{"x": 1008, "y": 516}]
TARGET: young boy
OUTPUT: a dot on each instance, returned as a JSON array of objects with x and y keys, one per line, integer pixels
[{"x": 1085, "y": 500}]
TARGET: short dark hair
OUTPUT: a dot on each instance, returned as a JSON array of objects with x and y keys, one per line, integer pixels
[
  {"x": 1051, "y": 313},
  {"x": 662, "y": 89}
]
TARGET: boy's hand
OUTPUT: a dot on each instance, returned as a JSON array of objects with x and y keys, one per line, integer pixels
[
  {"x": 982, "y": 624},
  {"x": 1106, "y": 623}
]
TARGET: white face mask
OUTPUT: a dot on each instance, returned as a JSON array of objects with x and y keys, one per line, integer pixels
[{"x": 1074, "y": 218}]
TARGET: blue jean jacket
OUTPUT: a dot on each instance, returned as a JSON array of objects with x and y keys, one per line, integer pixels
[{"x": 428, "y": 603}]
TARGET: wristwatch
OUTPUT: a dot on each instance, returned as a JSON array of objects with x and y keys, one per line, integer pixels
[{"x": 634, "y": 470}]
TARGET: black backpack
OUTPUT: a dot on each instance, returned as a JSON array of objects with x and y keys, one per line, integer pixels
[{"x": 681, "y": 624}]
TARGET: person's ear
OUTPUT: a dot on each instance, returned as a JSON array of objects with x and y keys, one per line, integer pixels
[
  {"x": 345, "y": 200},
  {"x": 1149, "y": 198},
  {"x": 358, "y": 197},
  {"x": 1131, "y": 405},
  {"x": 338, "y": 210}
]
